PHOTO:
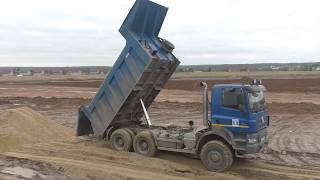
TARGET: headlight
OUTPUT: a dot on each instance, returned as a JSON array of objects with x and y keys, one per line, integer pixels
[{"x": 252, "y": 140}]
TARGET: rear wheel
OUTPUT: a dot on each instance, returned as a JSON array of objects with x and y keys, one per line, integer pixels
[
  {"x": 132, "y": 134},
  {"x": 121, "y": 140},
  {"x": 216, "y": 156},
  {"x": 144, "y": 144}
]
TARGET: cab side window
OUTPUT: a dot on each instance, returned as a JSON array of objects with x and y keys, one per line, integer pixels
[{"x": 232, "y": 98}]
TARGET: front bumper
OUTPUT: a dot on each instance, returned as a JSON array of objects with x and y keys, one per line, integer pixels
[
  {"x": 261, "y": 141},
  {"x": 251, "y": 143}
]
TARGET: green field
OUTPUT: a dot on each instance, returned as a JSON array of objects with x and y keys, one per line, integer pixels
[
  {"x": 177, "y": 75},
  {"x": 256, "y": 74}
]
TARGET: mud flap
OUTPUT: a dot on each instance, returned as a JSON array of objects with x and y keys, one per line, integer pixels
[{"x": 84, "y": 125}]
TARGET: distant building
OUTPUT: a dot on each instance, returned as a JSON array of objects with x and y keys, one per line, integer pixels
[
  {"x": 43, "y": 72},
  {"x": 28, "y": 73},
  {"x": 19, "y": 74},
  {"x": 77, "y": 73},
  {"x": 15, "y": 72},
  {"x": 96, "y": 72},
  {"x": 274, "y": 67},
  {"x": 5, "y": 72}
]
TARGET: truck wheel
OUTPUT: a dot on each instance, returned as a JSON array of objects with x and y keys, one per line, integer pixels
[
  {"x": 121, "y": 140},
  {"x": 144, "y": 144},
  {"x": 130, "y": 132},
  {"x": 216, "y": 156},
  {"x": 132, "y": 137}
]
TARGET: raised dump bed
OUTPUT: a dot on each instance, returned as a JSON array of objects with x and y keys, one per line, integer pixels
[{"x": 143, "y": 67}]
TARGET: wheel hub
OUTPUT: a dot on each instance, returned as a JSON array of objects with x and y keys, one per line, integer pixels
[
  {"x": 120, "y": 142},
  {"x": 144, "y": 145},
  {"x": 214, "y": 156}
]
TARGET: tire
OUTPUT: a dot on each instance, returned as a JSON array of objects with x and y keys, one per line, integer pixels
[
  {"x": 144, "y": 144},
  {"x": 121, "y": 140},
  {"x": 216, "y": 156},
  {"x": 132, "y": 134}
]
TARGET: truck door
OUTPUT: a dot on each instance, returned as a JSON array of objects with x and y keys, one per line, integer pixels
[{"x": 231, "y": 111}]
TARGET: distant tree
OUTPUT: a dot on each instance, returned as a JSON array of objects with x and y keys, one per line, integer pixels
[
  {"x": 85, "y": 70},
  {"x": 64, "y": 71},
  {"x": 284, "y": 69},
  {"x": 243, "y": 69},
  {"x": 16, "y": 71},
  {"x": 209, "y": 69},
  {"x": 105, "y": 71},
  {"x": 306, "y": 68},
  {"x": 226, "y": 69}
]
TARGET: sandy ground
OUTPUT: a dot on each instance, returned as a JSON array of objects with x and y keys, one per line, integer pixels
[{"x": 293, "y": 152}]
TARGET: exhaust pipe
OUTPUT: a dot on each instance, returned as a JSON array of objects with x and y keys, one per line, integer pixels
[{"x": 205, "y": 103}]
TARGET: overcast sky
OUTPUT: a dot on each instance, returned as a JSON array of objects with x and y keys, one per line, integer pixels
[{"x": 85, "y": 32}]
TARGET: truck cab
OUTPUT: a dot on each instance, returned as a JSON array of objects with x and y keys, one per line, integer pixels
[
  {"x": 237, "y": 124},
  {"x": 241, "y": 110}
]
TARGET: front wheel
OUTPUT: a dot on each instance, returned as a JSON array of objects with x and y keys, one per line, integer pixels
[{"x": 216, "y": 156}]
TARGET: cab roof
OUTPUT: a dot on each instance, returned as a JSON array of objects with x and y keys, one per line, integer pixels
[
  {"x": 248, "y": 87},
  {"x": 234, "y": 85}
]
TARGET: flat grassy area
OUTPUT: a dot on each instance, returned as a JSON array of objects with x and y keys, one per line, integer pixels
[
  {"x": 255, "y": 74},
  {"x": 52, "y": 78},
  {"x": 177, "y": 75}
]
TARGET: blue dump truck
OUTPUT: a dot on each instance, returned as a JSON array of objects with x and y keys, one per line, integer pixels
[{"x": 118, "y": 113}]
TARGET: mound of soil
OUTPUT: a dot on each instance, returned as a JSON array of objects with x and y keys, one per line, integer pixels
[{"x": 25, "y": 126}]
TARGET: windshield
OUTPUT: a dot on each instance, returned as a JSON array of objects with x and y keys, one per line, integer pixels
[{"x": 256, "y": 101}]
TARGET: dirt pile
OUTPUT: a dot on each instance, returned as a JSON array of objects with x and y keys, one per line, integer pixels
[{"x": 25, "y": 126}]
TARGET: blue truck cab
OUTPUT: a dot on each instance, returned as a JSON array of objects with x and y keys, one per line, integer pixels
[{"x": 240, "y": 109}]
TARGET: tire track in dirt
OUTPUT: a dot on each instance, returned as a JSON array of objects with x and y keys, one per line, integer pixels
[
  {"x": 80, "y": 155},
  {"x": 110, "y": 168},
  {"x": 253, "y": 169},
  {"x": 293, "y": 139},
  {"x": 248, "y": 169},
  {"x": 270, "y": 170}
]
